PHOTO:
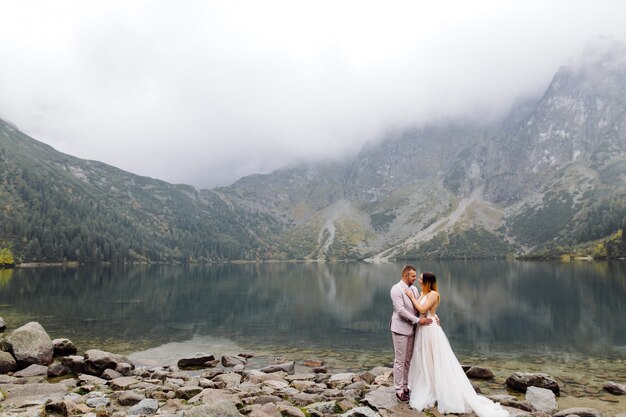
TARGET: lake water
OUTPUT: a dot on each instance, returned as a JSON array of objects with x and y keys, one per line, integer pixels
[{"x": 508, "y": 313}]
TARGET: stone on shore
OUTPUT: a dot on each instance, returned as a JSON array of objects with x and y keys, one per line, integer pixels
[
  {"x": 229, "y": 361},
  {"x": 340, "y": 381},
  {"x": 196, "y": 361},
  {"x": 223, "y": 408},
  {"x": 580, "y": 412},
  {"x": 110, "y": 374},
  {"x": 96, "y": 361},
  {"x": 288, "y": 367},
  {"x": 478, "y": 372},
  {"x": 382, "y": 398},
  {"x": 63, "y": 347},
  {"x": 615, "y": 388},
  {"x": 146, "y": 406},
  {"x": 121, "y": 384},
  {"x": 7, "y": 363},
  {"x": 75, "y": 363},
  {"x": 520, "y": 381},
  {"x": 22, "y": 394},
  {"x": 63, "y": 407},
  {"x": 58, "y": 369},
  {"x": 361, "y": 412},
  {"x": 542, "y": 400},
  {"x": 31, "y": 344},
  {"x": 290, "y": 410},
  {"x": 128, "y": 398},
  {"x": 32, "y": 370}
]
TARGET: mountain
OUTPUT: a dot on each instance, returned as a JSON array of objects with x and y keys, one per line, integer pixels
[
  {"x": 547, "y": 180},
  {"x": 59, "y": 208}
]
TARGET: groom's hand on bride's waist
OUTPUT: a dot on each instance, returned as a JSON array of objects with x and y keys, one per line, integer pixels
[{"x": 424, "y": 320}]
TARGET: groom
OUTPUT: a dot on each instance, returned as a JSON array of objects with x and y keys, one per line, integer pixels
[{"x": 403, "y": 325}]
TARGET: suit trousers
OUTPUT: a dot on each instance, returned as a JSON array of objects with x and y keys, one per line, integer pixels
[{"x": 403, "y": 348}]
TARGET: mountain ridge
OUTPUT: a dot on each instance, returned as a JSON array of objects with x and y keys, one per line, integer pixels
[{"x": 550, "y": 177}]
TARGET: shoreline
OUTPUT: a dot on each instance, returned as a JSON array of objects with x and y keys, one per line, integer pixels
[{"x": 260, "y": 384}]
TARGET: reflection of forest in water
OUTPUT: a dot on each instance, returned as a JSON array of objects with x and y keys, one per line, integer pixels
[{"x": 487, "y": 306}]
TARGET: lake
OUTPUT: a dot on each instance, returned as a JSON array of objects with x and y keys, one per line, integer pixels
[{"x": 508, "y": 313}]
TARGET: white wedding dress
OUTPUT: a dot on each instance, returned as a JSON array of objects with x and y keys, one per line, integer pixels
[{"x": 436, "y": 377}]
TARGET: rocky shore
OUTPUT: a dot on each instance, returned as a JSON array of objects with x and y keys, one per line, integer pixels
[{"x": 44, "y": 377}]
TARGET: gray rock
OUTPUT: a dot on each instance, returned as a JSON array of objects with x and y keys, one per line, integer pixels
[
  {"x": 31, "y": 344},
  {"x": 128, "y": 398},
  {"x": 63, "y": 347},
  {"x": 58, "y": 369},
  {"x": 341, "y": 380},
  {"x": 520, "y": 381},
  {"x": 32, "y": 370},
  {"x": 304, "y": 399},
  {"x": 64, "y": 408},
  {"x": 265, "y": 410},
  {"x": 361, "y": 412},
  {"x": 290, "y": 411},
  {"x": 188, "y": 392},
  {"x": 478, "y": 372},
  {"x": 99, "y": 401},
  {"x": 230, "y": 379},
  {"x": 110, "y": 374},
  {"x": 96, "y": 361},
  {"x": 75, "y": 363},
  {"x": 382, "y": 398},
  {"x": 542, "y": 400},
  {"x": 125, "y": 369},
  {"x": 326, "y": 407},
  {"x": 581, "y": 412},
  {"x": 615, "y": 388},
  {"x": 120, "y": 384},
  {"x": 197, "y": 361},
  {"x": 287, "y": 367},
  {"x": 91, "y": 380},
  {"x": 223, "y": 408},
  {"x": 147, "y": 406},
  {"x": 230, "y": 361},
  {"x": 39, "y": 392},
  {"x": 7, "y": 363},
  {"x": 520, "y": 405}
]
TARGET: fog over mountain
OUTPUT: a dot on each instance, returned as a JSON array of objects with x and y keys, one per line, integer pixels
[{"x": 206, "y": 93}]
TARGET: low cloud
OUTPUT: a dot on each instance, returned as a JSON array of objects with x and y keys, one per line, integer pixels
[{"x": 206, "y": 92}]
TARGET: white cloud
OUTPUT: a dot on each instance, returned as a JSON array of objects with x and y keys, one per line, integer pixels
[{"x": 205, "y": 92}]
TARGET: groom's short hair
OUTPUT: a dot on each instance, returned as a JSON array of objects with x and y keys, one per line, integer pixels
[{"x": 408, "y": 268}]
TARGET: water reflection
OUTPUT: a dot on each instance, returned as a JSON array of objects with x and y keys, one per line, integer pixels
[{"x": 488, "y": 307}]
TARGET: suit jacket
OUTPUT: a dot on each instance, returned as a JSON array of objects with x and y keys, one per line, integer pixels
[{"x": 405, "y": 316}]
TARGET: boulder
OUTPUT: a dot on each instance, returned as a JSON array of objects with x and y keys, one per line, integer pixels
[
  {"x": 478, "y": 372},
  {"x": 58, "y": 369},
  {"x": 287, "y": 367},
  {"x": 197, "y": 361},
  {"x": 128, "y": 398},
  {"x": 120, "y": 384},
  {"x": 290, "y": 411},
  {"x": 230, "y": 379},
  {"x": 223, "y": 408},
  {"x": 361, "y": 412},
  {"x": 188, "y": 392},
  {"x": 580, "y": 412},
  {"x": 63, "y": 407},
  {"x": 381, "y": 398},
  {"x": 85, "y": 379},
  {"x": 230, "y": 361},
  {"x": 110, "y": 374},
  {"x": 615, "y": 388},
  {"x": 341, "y": 380},
  {"x": 32, "y": 370},
  {"x": 146, "y": 406},
  {"x": 30, "y": 345},
  {"x": 520, "y": 381},
  {"x": 96, "y": 361},
  {"x": 126, "y": 369},
  {"x": 325, "y": 407},
  {"x": 97, "y": 400},
  {"x": 76, "y": 364},
  {"x": 63, "y": 347},
  {"x": 542, "y": 400},
  {"x": 7, "y": 363}
]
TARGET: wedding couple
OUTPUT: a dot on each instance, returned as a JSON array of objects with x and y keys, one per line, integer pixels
[{"x": 425, "y": 370}]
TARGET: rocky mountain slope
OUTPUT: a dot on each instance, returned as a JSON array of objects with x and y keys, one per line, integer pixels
[{"x": 550, "y": 177}]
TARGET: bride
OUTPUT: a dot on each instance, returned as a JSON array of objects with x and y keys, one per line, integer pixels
[{"x": 435, "y": 376}]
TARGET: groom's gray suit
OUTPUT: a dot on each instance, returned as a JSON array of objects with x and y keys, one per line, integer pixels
[{"x": 403, "y": 325}]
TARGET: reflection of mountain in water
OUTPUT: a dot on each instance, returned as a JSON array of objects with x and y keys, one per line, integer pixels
[{"x": 495, "y": 306}]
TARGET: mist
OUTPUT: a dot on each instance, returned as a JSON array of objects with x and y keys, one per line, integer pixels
[{"x": 204, "y": 93}]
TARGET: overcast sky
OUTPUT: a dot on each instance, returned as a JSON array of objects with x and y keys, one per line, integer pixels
[{"x": 204, "y": 92}]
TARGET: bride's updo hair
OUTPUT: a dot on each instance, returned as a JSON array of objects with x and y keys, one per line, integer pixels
[{"x": 430, "y": 283}]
